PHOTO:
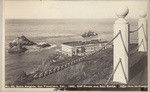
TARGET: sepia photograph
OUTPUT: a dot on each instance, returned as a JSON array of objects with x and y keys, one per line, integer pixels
[{"x": 69, "y": 45}]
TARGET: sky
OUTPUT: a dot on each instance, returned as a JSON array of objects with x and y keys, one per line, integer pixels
[{"x": 70, "y": 9}]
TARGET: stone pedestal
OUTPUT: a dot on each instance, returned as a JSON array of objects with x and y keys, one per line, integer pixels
[
  {"x": 121, "y": 44},
  {"x": 142, "y": 32}
]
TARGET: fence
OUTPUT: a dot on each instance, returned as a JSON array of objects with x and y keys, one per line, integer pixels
[{"x": 121, "y": 54}]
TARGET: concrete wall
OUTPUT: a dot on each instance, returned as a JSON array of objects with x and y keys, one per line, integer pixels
[
  {"x": 71, "y": 50},
  {"x": 92, "y": 48},
  {"x": 67, "y": 49}
]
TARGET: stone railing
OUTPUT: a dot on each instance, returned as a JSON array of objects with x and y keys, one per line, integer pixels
[{"x": 121, "y": 43}]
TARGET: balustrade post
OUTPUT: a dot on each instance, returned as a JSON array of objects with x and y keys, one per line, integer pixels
[
  {"x": 142, "y": 32},
  {"x": 121, "y": 44}
]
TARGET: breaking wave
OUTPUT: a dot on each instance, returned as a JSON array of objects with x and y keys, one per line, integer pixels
[{"x": 38, "y": 49}]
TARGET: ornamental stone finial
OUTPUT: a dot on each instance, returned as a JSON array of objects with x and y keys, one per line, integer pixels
[
  {"x": 142, "y": 13},
  {"x": 122, "y": 11}
]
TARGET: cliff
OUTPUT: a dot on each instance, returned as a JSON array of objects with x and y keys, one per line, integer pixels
[{"x": 92, "y": 70}]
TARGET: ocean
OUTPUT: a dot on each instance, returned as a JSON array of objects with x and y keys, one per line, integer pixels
[{"x": 53, "y": 31}]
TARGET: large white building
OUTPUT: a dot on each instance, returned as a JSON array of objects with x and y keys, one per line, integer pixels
[{"x": 81, "y": 48}]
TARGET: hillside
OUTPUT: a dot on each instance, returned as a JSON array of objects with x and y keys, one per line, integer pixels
[{"x": 95, "y": 69}]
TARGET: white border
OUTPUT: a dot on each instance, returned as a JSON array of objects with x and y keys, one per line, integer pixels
[{"x": 37, "y": 90}]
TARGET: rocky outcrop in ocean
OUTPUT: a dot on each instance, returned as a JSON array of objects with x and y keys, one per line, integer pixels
[
  {"x": 22, "y": 44},
  {"x": 43, "y": 44},
  {"x": 23, "y": 41},
  {"x": 17, "y": 45},
  {"x": 17, "y": 49},
  {"x": 89, "y": 34}
]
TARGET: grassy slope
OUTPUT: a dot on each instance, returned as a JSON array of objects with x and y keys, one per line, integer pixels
[
  {"x": 89, "y": 71},
  {"x": 96, "y": 69}
]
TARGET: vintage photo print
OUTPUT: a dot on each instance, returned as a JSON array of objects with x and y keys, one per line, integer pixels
[{"x": 69, "y": 45}]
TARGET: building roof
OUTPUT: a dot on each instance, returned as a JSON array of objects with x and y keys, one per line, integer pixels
[{"x": 80, "y": 43}]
